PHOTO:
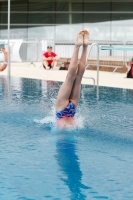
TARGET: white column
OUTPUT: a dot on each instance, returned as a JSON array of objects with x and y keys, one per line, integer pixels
[
  {"x": 70, "y": 14},
  {"x": 70, "y": 19},
  {"x": 9, "y": 38}
]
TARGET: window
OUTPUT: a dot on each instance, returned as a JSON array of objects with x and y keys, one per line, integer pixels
[
  {"x": 41, "y": 32},
  {"x": 62, "y": 19},
  {"x": 41, "y": 18}
]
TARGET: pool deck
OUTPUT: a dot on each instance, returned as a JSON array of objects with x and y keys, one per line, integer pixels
[{"x": 108, "y": 79}]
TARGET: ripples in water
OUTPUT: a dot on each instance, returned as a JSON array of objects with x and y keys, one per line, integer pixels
[{"x": 39, "y": 161}]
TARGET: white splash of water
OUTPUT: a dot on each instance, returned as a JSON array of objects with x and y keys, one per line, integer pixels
[
  {"x": 51, "y": 120},
  {"x": 45, "y": 120}
]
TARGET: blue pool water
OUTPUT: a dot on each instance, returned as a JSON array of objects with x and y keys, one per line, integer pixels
[{"x": 39, "y": 161}]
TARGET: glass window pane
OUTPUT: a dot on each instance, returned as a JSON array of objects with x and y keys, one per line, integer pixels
[
  {"x": 42, "y": 6},
  {"x": 3, "y": 18},
  {"x": 122, "y": 26},
  {"x": 67, "y": 32},
  {"x": 98, "y": 26},
  {"x": 98, "y": 31},
  {"x": 19, "y": 6},
  {"x": 17, "y": 18},
  {"x": 15, "y": 32},
  {"x": 97, "y": 6},
  {"x": 69, "y": 18},
  {"x": 41, "y": 18},
  {"x": 96, "y": 17},
  {"x": 4, "y": 6},
  {"x": 77, "y": 18},
  {"x": 77, "y": 6},
  {"x": 62, "y": 6},
  {"x": 46, "y": 32},
  {"x": 18, "y": 32},
  {"x": 123, "y": 18},
  {"x": 122, "y": 6},
  {"x": 62, "y": 18},
  {"x": 15, "y": 6},
  {"x": 3, "y": 32}
]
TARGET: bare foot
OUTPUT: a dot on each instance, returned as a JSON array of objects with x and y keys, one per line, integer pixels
[
  {"x": 79, "y": 40},
  {"x": 47, "y": 68},
  {"x": 86, "y": 38}
]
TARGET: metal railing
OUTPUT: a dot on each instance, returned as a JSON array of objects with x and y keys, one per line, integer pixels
[
  {"x": 31, "y": 50},
  {"x": 97, "y": 62},
  {"x": 113, "y": 59}
]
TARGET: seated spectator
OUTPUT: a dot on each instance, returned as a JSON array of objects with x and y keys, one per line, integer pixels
[
  {"x": 49, "y": 59},
  {"x": 3, "y": 67},
  {"x": 130, "y": 72}
]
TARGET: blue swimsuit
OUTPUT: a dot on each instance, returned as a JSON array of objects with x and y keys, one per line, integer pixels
[{"x": 67, "y": 112}]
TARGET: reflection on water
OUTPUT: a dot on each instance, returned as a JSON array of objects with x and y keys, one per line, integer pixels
[
  {"x": 69, "y": 165},
  {"x": 29, "y": 88},
  {"x": 3, "y": 88}
]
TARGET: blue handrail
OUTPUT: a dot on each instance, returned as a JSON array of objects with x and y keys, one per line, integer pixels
[{"x": 122, "y": 47}]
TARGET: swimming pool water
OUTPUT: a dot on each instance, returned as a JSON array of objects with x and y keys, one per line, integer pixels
[{"x": 39, "y": 161}]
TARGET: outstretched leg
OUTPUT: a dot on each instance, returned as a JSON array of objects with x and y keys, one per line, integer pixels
[
  {"x": 75, "y": 94},
  {"x": 66, "y": 88}
]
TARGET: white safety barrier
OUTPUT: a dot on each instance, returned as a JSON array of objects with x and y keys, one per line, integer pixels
[
  {"x": 31, "y": 50},
  {"x": 14, "y": 50},
  {"x": 108, "y": 58}
]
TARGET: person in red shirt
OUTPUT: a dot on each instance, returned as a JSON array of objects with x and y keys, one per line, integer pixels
[
  {"x": 130, "y": 72},
  {"x": 49, "y": 59}
]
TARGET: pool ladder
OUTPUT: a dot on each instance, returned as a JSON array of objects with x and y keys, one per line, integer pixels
[{"x": 97, "y": 63}]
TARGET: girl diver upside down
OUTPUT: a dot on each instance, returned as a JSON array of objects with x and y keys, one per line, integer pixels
[{"x": 69, "y": 93}]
